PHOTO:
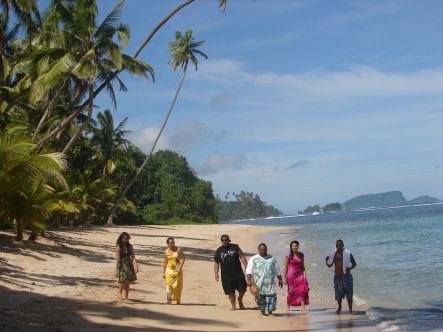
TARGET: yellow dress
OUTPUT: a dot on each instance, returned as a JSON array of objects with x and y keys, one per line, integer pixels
[{"x": 174, "y": 280}]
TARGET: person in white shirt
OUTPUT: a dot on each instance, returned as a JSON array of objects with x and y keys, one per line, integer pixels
[{"x": 261, "y": 272}]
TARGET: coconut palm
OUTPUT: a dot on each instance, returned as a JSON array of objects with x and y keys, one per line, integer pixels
[
  {"x": 111, "y": 77},
  {"x": 109, "y": 142},
  {"x": 82, "y": 51},
  {"x": 183, "y": 50},
  {"x": 27, "y": 179}
]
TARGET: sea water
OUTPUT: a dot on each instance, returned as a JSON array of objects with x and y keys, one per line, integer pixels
[{"x": 399, "y": 254}]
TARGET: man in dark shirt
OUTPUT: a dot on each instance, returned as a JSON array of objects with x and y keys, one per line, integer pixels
[{"x": 228, "y": 256}]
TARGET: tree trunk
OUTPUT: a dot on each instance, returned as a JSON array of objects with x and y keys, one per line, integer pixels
[
  {"x": 20, "y": 228},
  {"x": 47, "y": 111},
  {"x": 81, "y": 107},
  {"x": 33, "y": 236},
  {"x": 85, "y": 124},
  {"x": 139, "y": 170}
]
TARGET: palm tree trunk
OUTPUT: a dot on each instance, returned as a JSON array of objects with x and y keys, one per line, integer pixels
[
  {"x": 160, "y": 24},
  {"x": 47, "y": 111},
  {"x": 140, "y": 169},
  {"x": 86, "y": 123},
  {"x": 20, "y": 228},
  {"x": 81, "y": 107}
]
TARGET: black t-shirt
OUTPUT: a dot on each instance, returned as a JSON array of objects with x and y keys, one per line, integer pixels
[{"x": 229, "y": 261}]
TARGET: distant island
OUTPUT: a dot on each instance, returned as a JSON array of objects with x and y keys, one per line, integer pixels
[
  {"x": 245, "y": 205},
  {"x": 387, "y": 199}
]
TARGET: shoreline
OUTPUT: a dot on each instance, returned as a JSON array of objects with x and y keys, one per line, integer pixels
[{"x": 65, "y": 283}]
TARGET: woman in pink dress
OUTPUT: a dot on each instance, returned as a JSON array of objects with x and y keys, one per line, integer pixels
[{"x": 295, "y": 278}]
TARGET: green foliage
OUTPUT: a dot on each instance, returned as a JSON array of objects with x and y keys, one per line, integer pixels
[
  {"x": 61, "y": 164},
  {"x": 244, "y": 206},
  {"x": 28, "y": 181},
  {"x": 312, "y": 209},
  {"x": 332, "y": 207},
  {"x": 169, "y": 189}
]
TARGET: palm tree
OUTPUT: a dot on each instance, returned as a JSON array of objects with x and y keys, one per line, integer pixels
[
  {"x": 78, "y": 109},
  {"x": 81, "y": 51},
  {"x": 183, "y": 50},
  {"x": 27, "y": 178},
  {"x": 109, "y": 142}
]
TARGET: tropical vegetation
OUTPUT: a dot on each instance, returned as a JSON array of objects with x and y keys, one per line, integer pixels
[
  {"x": 63, "y": 162},
  {"x": 245, "y": 205}
]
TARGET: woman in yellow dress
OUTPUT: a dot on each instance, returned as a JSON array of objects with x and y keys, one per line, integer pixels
[{"x": 172, "y": 271}]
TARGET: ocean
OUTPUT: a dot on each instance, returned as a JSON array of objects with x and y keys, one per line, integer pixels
[{"x": 399, "y": 254}]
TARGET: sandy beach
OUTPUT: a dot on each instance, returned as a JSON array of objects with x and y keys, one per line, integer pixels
[{"x": 64, "y": 282}]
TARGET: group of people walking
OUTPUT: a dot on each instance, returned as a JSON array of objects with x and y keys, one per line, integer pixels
[{"x": 261, "y": 273}]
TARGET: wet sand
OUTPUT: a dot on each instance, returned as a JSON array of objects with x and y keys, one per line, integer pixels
[{"x": 65, "y": 282}]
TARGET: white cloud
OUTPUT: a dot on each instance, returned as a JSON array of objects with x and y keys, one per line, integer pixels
[
  {"x": 181, "y": 138},
  {"x": 145, "y": 137},
  {"x": 317, "y": 85},
  {"x": 216, "y": 162},
  {"x": 189, "y": 134},
  {"x": 222, "y": 99}
]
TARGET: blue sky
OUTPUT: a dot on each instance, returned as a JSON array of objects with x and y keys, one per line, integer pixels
[{"x": 302, "y": 102}]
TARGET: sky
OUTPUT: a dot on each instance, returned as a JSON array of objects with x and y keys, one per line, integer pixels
[{"x": 302, "y": 102}]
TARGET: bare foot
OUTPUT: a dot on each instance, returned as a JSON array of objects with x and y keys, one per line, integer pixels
[
  {"x": 168, "y": 302},
  {"x": 240, "y": 304},
  {"x": 178, "y": 302},
  {"x": 350, "y": 312},
  {"x": 338, "y": 310}
]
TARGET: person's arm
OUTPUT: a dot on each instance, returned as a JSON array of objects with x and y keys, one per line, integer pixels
[
  {"x": 242, "y": 258},
  {"x": 182, "y": 259},
  {"x": 278, "y": 273},
  {"x": 165, "y": 263},
  {"x": 285, "y": 279},
  {"x": 249, "y": 271},
  {"x": 134, "y": 261},
  {"x": 216, "y": 268},
  {"x": 117, "y": 261},
  {"x": 326, "y": 261},
  {"x": 249, "y": 280},
  {"x": 303, "y": 266},
  {"x": 354, "y": 264}
]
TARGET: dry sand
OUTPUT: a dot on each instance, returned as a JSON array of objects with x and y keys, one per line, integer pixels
[{"x": 65, "y": 282}]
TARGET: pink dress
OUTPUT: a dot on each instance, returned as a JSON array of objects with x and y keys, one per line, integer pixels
[{"x": 298, "y": 288}]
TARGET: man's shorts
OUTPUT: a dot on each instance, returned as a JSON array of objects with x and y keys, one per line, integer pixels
[
  {"x": 344, "y": 286},
  {"x": 229, "y": 286}
]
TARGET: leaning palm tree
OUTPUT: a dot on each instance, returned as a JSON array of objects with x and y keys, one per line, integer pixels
[
  {"x": 80, "y": 51},
  {"x": 183, "y": 50}
]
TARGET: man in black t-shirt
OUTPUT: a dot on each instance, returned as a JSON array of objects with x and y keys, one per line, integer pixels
[{"x": 228, "y": 256}]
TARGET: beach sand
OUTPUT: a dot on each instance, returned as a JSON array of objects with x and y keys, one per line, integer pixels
[{"x": 64, "y": 282}]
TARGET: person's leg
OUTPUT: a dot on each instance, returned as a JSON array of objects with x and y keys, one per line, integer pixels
[
  {"x": 339, "y": 291},
  {"x": 350, "y": 305},
  {"x": 232, "y": 300},
  {"x": 339, "y": 307},
  {"x": 241, "y": 287},
  {"x": 121, "y": 286},
  {"x": 303, "y": 307},
  {"x": 126, "y": 290},
  {"x": 349, "y": 290},
  {"x": 240, "y": 300}
]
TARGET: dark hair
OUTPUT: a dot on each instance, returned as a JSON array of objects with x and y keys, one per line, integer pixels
[
  {"x": 339, "y": 240},
  {"x": 290, "y": 248},
  {"x": 120, "y": 241},
  {"x": 262, "y": 244},
  {"x": 168, "y": 239}
]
